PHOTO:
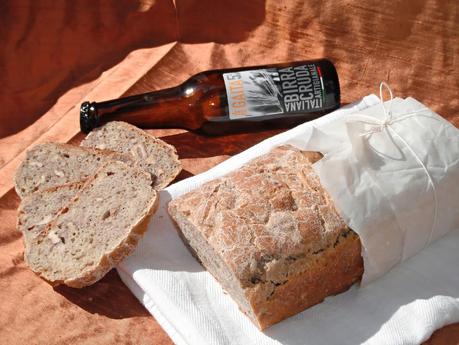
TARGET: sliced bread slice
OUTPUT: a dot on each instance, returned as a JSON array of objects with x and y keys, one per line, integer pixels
[
  {"x": 151, "y": 154},
  {"x": 97, "y": 229},
  {"x": 38, "y": 209},
  {"x": 49, "y": 165}
]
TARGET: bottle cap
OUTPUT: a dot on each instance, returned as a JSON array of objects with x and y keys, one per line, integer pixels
[{"x": 89, "y": 118}]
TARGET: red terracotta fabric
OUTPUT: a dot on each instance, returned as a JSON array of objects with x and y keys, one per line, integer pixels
[{"x": 54, "y": 55}]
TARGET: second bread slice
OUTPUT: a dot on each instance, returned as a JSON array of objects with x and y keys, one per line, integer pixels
[
  {"x": 97, "y": 229},
  {"x": 151, "y": 154}
]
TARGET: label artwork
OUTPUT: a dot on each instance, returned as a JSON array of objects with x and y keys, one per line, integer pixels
[{"x": 295, "y": 89}]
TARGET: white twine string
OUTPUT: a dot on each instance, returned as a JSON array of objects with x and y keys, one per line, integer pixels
[{"x": 386, "y": 124}]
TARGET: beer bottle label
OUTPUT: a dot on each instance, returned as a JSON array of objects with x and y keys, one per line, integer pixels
[{"x": 273, "y": 91}]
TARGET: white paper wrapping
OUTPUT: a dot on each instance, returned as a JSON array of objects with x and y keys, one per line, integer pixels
[
  {"x": 404, "y": 307},
  {"x": 397, "y": 187}
]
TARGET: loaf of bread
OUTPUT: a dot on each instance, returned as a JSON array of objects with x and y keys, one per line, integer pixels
[
  {"x": 269, "y": 233},
  {"x": 95, "y": 230},
  {"x": 151, "y": 154},
  {"x": 49, "y": 165}
]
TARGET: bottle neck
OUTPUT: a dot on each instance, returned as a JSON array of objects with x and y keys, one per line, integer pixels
[{"x": 160, "y": 109}]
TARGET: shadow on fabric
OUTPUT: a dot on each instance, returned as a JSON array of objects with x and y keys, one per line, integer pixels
[
  {"x": 50, "y": 48},
  {"x": 109, "y": 297}
]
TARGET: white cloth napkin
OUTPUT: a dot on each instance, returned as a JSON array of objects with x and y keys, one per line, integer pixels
[{"x": 403, "y": 307}]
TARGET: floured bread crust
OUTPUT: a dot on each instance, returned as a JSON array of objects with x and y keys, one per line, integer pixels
[{"x": 270, "y": 234}]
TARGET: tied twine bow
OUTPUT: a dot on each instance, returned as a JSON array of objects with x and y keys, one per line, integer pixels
[{"x": 379, "y": 125}]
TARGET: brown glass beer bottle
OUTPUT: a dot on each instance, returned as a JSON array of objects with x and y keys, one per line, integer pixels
[{"x": 229, "y": 100}]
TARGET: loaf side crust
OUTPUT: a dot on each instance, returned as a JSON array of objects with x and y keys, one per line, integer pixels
[{"x": 333, "y": 271}]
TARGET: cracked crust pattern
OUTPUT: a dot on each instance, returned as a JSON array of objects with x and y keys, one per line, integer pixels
[{"x": 271, "y": 225}]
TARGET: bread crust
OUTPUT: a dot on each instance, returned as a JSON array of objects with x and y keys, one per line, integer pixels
[
  {"x": 274, "y": 229},
  {"x": 334, "y": 271}
]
